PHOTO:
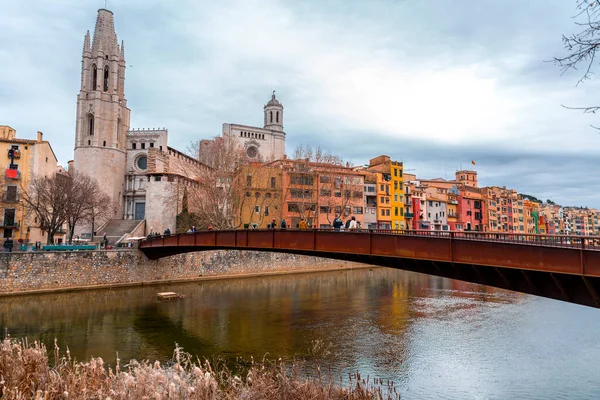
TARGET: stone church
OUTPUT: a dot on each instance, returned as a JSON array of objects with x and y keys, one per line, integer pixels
[{"x": 142, "y": 175}]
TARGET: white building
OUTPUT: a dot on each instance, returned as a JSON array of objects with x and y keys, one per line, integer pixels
[
  {"x": 143, "y": 177},
  {"x": 267, "y": 143}
]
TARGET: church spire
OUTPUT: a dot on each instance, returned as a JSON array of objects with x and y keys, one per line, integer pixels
[
  {"x": 105, "y": 38},
  {"x": 86, "y": 43}
]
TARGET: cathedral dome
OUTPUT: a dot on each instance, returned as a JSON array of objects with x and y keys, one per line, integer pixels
[{"x": 273, "y": 101}]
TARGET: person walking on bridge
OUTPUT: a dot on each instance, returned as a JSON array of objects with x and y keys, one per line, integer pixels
[{"x": 302, "y": 224}]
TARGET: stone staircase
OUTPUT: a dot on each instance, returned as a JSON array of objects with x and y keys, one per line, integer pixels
[{"x": 115, "y": 229}]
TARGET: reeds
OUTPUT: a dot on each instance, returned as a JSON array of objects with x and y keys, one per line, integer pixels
[{"x": 26, "y": 372}]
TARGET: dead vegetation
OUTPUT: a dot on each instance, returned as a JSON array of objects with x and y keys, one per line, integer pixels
[{"x": 27, "y": 372}]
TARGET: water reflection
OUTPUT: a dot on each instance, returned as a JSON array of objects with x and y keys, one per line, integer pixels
[{"x": 434, "y": 337}]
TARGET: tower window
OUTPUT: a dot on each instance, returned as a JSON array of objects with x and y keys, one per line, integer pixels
[
  {"x": 271, "y": 112},
  {"x": 94, "y": 77},
  {"x": 143, "y": 145},
  {"x": 104, "y": 143},
  {"x": 106, "y": 79},
  {"x": 90, "y": 124},
  {"x": 133, "y": 145},
  {"x": 89, "y": 142},
  {"x": 151, "y": 144},
  {"x": 277, "y": 117}
]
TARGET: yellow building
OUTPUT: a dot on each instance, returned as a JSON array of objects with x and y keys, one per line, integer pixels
[
  {"x": 21, "y": 160},
  {"x": 259, "y": 195},
  {"x": 390, "y": 192}
]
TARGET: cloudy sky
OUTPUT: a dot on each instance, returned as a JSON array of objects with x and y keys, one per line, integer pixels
[{"x": 435, "y": 84}]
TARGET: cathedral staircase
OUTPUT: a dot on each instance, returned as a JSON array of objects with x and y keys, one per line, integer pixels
[{"x": 115, "y": 229}]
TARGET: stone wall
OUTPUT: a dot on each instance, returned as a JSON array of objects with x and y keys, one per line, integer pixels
[{"x": 47, "y": 271}]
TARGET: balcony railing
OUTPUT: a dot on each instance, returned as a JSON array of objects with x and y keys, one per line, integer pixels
[
  {"x": 409, "y": 215},
  {"x": 9, "y": 223},
  {"x": 13, "y": 198}
]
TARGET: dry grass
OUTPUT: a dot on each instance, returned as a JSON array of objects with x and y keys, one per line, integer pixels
[{"x": 26, "y": 372}]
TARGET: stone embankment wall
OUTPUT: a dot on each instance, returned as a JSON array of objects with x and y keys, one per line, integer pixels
[{"x": 47, "y": 271}]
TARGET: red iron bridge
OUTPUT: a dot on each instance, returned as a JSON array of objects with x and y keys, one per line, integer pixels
[{"x": 555, "y": 266}]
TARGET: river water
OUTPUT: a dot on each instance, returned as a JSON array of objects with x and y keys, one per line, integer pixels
[{"x": 435, "y": 338}]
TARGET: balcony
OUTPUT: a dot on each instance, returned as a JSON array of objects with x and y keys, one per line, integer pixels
[
  {"x": 9, "y": 223},
  {"x": 10, "y": 198},
  {"x": 12, "y": 174},
  {"x": 409, "y": 215},
  {"x": 14, "y": 153}
]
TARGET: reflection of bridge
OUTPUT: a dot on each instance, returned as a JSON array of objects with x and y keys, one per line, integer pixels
[{"x": 559, "y": 267}]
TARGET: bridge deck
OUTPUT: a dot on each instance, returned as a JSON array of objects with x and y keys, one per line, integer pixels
[{"x": 570, "y": 265}]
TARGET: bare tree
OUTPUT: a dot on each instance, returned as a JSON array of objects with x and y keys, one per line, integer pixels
[
  {"x": 217, "y": 196},
  {"x": 46, "y": 198},
  {"x": 100, "y": 209},
  {"x": 317, "y": 155},
  {"x": 581, "y": 47}
]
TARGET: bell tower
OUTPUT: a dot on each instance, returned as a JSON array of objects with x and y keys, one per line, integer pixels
[
  {"x": 102, "y": 113},
  {"x": 274, "y": 114}
]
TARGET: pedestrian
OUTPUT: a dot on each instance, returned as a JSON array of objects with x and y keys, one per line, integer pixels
[
  {"x": 210, "y": 227},
  {"x": 337, "y": 223},
  {"x": 193, "y": 228},
  {"x": 273, "y": 224},
  {"x": 348, "y": 223},
  {"x": 352, "y": 226},
  {"x": 283, "y": 224},
  {"x": 105, "y": 240},
  {"x": 302, "y": 224},
  {"x": 167, "y": 232},
  {"x": 8, "y": 245}
]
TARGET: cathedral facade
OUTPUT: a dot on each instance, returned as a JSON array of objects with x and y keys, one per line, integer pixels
[{"x": 144, "y": 177}]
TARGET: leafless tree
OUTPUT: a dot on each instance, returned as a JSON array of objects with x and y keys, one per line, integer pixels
[
  {"x": 581, "y": 47},
  {"x": 317, "y": 155},
  {"x": 217, "y": 197},
  {"x": 99, "y": 208},
  {"x": 46, "y": 198}
]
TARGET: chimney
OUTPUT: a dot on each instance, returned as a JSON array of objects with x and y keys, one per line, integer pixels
[{"x": 40, "y": 137}]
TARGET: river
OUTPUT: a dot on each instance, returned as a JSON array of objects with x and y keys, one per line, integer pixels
[{"x": 435, "y": 338}]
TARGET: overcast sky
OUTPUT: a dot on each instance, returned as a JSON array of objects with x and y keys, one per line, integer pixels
[{"x": 435, "y": 83}]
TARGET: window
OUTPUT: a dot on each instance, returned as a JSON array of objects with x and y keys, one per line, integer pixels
[
  {"x": 248, "y": 180},
  {"x": 298, "y": 179},
  {"x": 271, "y": 112},
  {"x": 387, "y": 200},
  {"x": 357, "y": 210},
  {"x": 395, "y": 197},
  {"x": 338, "y": 193},
  {"x": 104, "y": 143},
  {"x": 387, "y": 213},
  {"x": 396, "y": 212},
  {"x": 277, "y": 117},
  {"x": 381, "y": 188},
  {"x": 324, "y": 210},
  {"x": 325, "y": 193},
  {"x": 273, "y": 183},
  {"x": 430, "y": 203},
  {"x": 293, "y": 207},
  {"x": 338, "y": 209},
  {"x": 301, "y": 194},
  {"x": 266, "y": 210},
  {"x": 106, "y": 74},
  {"x": 248, "y": 194},
  {"x": 257, "y": 209},
  {"x": 325, "y": 179},
  {"x": 151, "y": 144},
  {"x": 395, "y": 171},
  {"x": 90, "y": 124},
  {"x": 143, "y": 145},
  {"x": 157, "y": 178},
  {"x": 357, "y": 195},
  {"x": 142, "y": 162},
  {"x": 383, "y": 213},
  {"x": 11, "y": 193},
  {"x": 395, "y": 184},
  {"x": 94, "y": 77},
  {"x": 133, "y": 146}
]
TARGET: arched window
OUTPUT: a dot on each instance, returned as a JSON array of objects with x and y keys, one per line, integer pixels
[
  {"x": 90, "y": 124},
  {"x": 106, "y": 78},
  {"x": 271, "y": 112},
  {"x": 94, "y": 77},
  {"x": 277, "y": 117}
]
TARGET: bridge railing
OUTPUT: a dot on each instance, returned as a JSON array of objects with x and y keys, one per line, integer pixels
[{"x": 563, "y": 241}]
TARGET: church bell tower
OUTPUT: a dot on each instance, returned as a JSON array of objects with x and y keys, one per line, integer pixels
[{"x": 102, "y": 113}]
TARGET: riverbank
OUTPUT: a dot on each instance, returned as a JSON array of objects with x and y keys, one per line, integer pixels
[
  {"x": 28, "y": 373},
  {"x": 47, "y": 272}
]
